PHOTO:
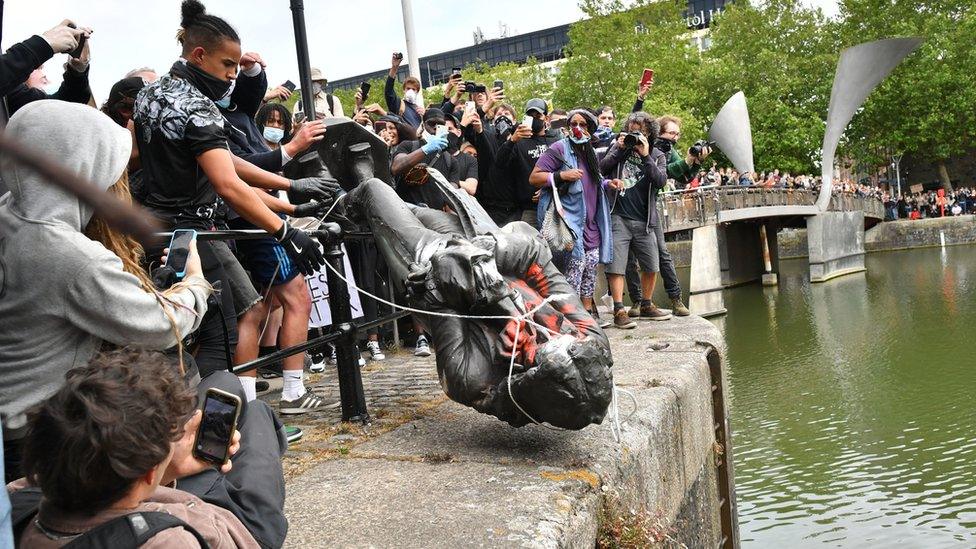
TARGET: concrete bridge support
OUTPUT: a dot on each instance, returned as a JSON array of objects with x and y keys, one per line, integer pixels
[
  {"x": 725, "y": 255},
  {"x": 836, "y": 244}
]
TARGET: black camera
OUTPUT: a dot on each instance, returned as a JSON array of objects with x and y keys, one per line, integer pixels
[
  {"x": 696, "y": 149},
  {"x": 471, "y": 87},
  {"x": 631, "y": 139}
]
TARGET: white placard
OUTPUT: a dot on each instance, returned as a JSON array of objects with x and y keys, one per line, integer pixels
[{"x": 318, "y": 288}]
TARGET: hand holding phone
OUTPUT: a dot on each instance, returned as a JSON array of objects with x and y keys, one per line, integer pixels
[
  {"x": 364, "y": 90},
  {"x": 76, "y": 53},
  {"x": 527, "y": 121},
  {"x": 289, "y": 85},
  {"x": 215, "y": 436},
  {"x": 179, "y": 251}
]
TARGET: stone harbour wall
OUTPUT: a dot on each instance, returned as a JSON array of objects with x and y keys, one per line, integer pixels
[{"x": 451, "y": 477}]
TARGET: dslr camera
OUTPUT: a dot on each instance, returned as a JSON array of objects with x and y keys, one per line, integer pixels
[
  {"x": 696, "y": 149},
  {"x": 631, "y": 139},
  {"x": 471, "y": 87}
]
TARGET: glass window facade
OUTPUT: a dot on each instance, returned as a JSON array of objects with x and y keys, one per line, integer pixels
[{"x": 543, "y": 45}]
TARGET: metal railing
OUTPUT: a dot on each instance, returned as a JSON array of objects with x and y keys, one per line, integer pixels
[
  {"x": 692, "y": 208},
  {"x": 343, "y": 333}
]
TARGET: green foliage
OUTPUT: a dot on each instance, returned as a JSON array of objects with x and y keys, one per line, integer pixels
[
  {"x": 610, "y": 50},
  {"x": 782, "y": 55},
  {"x": 927, "y": 106}
]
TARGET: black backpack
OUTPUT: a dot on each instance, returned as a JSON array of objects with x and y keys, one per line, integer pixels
[{"x": 127, "y": 531}]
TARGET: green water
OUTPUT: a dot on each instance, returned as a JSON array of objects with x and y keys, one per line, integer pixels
[{"x": 853, "y": 409}]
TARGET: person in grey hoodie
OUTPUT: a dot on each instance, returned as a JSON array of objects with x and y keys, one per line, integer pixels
[{"x": 63, "y": 294}]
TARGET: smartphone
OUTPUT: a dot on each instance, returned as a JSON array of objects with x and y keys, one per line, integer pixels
[
  {"x": 440, "y": 130},
  {"x": 456, "y": 72},
  {"x": 289, "y": 85},
  {"x": 470, "y": 107},
  {"x": 499, "y": 84},
  {"x": 398, "y": 55},
  {"x": 299, "y": 117},
  {"x": 527, "y": 121},
  {"x": 220, "y": 413},
  {"x": 647, "y": 78},
  {"x": 81, "y": 43},
  {"x": 179, "y": 251},
  {"x": 364, "y": 90}
]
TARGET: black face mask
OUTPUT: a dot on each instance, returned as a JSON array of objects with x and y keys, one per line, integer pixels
[
  {"x": 537, "y": 125},
  {"x": 213, "y": 88},
  {"x": 663, "y": 145},
  {"x": 453, "y": 143}
]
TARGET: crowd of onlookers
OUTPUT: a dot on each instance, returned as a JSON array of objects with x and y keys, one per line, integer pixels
[
  {"x": 926, "y": 204},
  {"x": 210, "y": 144}
]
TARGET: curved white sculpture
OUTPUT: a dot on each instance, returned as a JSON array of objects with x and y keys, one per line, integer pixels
[
  {"x": 732, "y": 133},
  {"x": 860, "y": 69}
]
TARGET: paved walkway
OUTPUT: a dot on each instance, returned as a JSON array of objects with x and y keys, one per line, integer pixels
[{"x": 398, "y": 389}]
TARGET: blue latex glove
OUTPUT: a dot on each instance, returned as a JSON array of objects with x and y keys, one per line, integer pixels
[{"x": 436, "y": 144}]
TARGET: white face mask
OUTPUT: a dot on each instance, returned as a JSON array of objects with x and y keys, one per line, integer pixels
[
  {"x": 316, "y": 88},
  {"x": 410, "y": 96}
]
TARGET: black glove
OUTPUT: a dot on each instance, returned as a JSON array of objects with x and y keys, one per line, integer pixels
[
  {"x": 300, "y": 248},
  {"x": 308, "y": 188},
  {"x": 314, "y": 209}
]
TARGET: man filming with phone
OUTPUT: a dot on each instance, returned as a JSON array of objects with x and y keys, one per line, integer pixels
[
  {"x": 119, "y": 448},
  {"x": 518, "y": 155}
]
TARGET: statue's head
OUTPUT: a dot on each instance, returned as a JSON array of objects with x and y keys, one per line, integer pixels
[{"x": 571, "y": 384}]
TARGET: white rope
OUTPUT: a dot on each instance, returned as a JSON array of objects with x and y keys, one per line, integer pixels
[{"x": 616, "y": 425}]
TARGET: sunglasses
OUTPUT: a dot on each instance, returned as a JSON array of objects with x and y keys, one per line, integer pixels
[{"x": 580, "y": 125}]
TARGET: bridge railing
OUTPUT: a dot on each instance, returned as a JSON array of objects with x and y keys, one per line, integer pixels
[{"x": 687, "y": 209}]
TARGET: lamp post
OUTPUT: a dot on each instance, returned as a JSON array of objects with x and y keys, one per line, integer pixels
[{"x": 413, "y": 60}]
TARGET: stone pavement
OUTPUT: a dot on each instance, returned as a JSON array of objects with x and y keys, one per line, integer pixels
[{"x": 431, "y": 473}]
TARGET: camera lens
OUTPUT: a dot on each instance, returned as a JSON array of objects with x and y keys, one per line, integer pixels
[{"x": 630, "y": 140}]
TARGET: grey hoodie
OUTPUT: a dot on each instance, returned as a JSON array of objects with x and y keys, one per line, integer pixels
[{"x": 62, "y": 294}]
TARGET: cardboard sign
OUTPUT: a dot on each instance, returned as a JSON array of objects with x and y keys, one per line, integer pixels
[{"x": 318, "y": 288}]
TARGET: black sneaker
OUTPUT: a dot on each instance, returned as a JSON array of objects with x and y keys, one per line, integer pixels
[
  {"x": 300, "y": 405},
  {"x": 261, "y": 386}
]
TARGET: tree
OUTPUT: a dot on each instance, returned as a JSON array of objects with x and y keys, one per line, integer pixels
[
  {"x": 782, "y": 55},
  {"x": 608, "y": 54},
  {"x": 927, "y": 106}
]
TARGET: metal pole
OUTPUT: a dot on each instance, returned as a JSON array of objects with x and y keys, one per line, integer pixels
[
  {"x": 414, "y": 61},
  {"x": 769, "y": 278},
  {"x": 304, "y": 66},
  {"x": 897, "y": 160},
  {"x": 347, "y": 355}
]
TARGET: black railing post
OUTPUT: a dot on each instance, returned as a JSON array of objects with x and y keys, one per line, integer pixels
[{"x": 347, "y": 355}]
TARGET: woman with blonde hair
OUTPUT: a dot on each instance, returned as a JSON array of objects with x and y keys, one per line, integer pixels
[{"x": 68, "y": 282}]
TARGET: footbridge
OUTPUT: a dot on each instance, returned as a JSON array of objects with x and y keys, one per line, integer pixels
[{"x": 734, "y": 235}]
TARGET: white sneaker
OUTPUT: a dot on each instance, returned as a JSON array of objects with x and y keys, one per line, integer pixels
[
  {"x": 375, "y": 352},
  {"x": 318, "y": 364},
  {"x": 422, "y": 348}
]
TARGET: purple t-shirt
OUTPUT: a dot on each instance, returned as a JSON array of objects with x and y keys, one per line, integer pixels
[{"x": 550, "y": 162}]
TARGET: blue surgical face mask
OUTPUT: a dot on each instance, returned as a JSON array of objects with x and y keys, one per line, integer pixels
[
  {"x": 223, "y": 103},
  {"x": 273, "y": 135}
]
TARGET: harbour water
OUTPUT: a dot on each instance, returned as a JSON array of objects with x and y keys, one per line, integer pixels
[{"x": 853, "y": 406}]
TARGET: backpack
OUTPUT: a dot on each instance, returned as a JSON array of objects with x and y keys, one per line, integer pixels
[{"x": 127, "y": 531}]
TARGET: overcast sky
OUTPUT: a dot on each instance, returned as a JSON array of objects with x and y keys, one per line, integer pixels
[{"x": 346, "y": 38}]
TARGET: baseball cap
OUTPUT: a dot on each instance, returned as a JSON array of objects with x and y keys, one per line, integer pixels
[{"x": 536, "y": 104}]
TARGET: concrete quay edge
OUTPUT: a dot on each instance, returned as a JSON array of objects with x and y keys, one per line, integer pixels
[{"x": 454, "y": 477}]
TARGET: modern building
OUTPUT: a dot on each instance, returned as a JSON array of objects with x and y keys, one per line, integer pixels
[{"x": 543, "y": 45}]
